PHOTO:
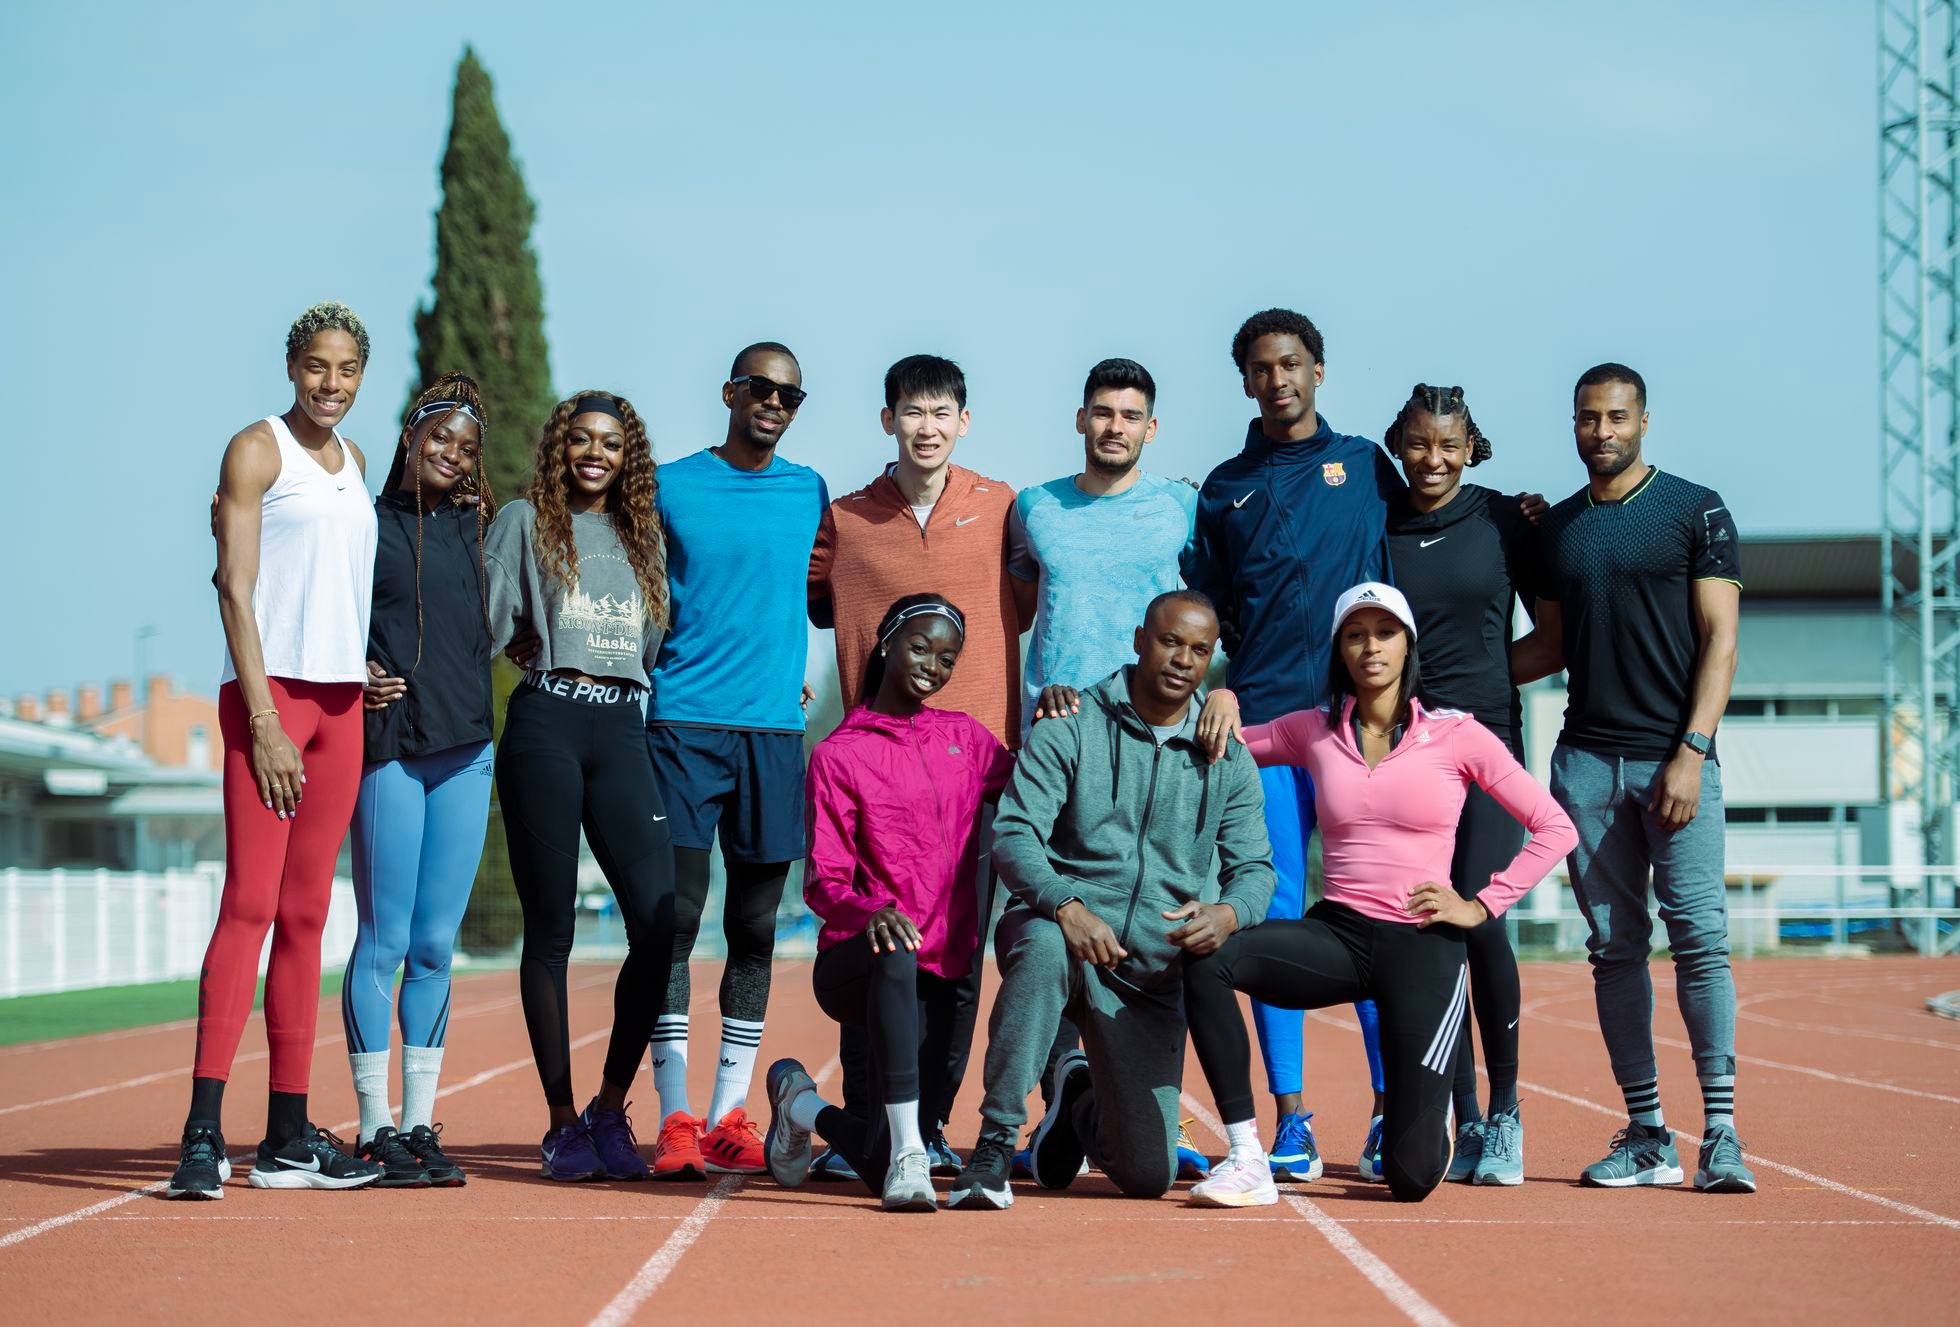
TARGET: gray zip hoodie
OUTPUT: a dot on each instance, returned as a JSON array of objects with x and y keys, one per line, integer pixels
[{"x": 1097, "y": 810}]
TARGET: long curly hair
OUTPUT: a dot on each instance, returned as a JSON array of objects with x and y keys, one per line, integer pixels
[
  {"x": 474, "y": 490},
  {"x": 635, "y": 518}
]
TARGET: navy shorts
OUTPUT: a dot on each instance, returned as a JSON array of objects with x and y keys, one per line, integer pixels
[{"x": 748, "y": 783}]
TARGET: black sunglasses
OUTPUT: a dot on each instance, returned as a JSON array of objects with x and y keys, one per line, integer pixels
[{"x": 763, "y": 388}]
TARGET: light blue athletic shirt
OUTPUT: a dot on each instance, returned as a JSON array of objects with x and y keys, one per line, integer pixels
[
  {"x": 738, "y": 555},
  {"x": 1100, "y": 562}
]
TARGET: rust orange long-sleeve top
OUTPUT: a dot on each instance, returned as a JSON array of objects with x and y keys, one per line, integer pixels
[{"x": 871, "y": 551}]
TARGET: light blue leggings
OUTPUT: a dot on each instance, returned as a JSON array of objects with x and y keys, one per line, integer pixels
[
  {"x": 1290, "y": 823},
  {"x": 418, "y": 835}
]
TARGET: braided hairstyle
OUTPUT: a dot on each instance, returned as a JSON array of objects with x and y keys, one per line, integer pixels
[
  {"x": 1440, "y": 402},
  {"x": 635, "y": 520},
  {"x": 472, "y": 490}
]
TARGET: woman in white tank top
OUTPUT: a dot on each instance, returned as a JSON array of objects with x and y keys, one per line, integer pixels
[{"x": 296, "y": 536}]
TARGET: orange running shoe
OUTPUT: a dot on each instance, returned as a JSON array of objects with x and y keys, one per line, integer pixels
[
  {"x": 677, "y": 1152},
  {"x": 734, "y": 1147}
]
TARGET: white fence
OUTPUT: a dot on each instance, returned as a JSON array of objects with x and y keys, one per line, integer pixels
[{"x": 68, "y": 930}]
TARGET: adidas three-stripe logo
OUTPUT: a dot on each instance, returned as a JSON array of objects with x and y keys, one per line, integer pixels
[{"x": 1441, "y": 1056}]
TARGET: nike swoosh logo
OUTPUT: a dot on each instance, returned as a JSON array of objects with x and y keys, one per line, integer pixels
[
  {"x": 1242, "y": 501},
  {"x": 1427, "y": 542},
  {"x": 660, "y": 817},
  {"x": 311, "y": 1163},
  {"x": 1508, "y": 1026},
  {"x": 964, "y": 519}
]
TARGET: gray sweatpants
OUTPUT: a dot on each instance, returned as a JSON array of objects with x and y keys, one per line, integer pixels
[
  {"x": 1134, "y": 1040},
  {"x": 1620, "y": 843}
]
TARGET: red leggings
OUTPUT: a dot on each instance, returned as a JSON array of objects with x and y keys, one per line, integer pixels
[{"x": 278, "y": 874}]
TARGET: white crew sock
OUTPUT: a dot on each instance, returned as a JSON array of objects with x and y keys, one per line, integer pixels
[
  {"x": 1242, "y": 1141},
  {"x": 371, "y": 1090},
  {"x": 740, "y": 1042},
  {"x": 669, "y": 1049},
  {"x": 421, "y": 1069},
  {"x": 902, "y": 1118},
  {"x": 804, "y": 1108}
]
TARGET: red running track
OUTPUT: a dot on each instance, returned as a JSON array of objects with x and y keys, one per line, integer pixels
[{"x": 1848, "y": 1098}]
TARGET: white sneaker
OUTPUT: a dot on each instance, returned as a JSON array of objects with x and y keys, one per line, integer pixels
[
  {"x": 1236, "y": 1182},
  {"x": 908, "y": 1184}
]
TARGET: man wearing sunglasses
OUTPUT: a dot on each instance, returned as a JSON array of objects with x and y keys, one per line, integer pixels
[
  {"x": 926, "y": 525},
  {"x": 725, "y": 730}
]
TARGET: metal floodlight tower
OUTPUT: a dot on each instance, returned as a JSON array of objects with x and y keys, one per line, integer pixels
[{"x": 1919, "y": 422}]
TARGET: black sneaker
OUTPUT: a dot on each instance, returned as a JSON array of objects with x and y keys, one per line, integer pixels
[
  {"x": 313, "y": 1160},
  {"x": 422, "y": 1145},
  {"x": 1057, "y": 1149},
  {"x": 399, "y": 1167},
  {"x": 202, "y": 1166},
  {"x": 982, "y": 1185}
]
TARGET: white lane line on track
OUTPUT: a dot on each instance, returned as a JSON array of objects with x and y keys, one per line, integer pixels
[
  {"x": 660, "y": 1264},
  {"x": 180, "y": 1071},
  {"x": 1405, "y": 1297},
  {"x": 120, "y": 1034},
  {"x": 239, "y": 1163}
]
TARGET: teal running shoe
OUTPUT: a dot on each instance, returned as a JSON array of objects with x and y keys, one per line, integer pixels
[
  {"x": 1469, "y": 1151},
  {"x": 1640, "y": 1154},
  {"x": 1503, "y": 1159},
  {"x": 1721, "y": 1169}
]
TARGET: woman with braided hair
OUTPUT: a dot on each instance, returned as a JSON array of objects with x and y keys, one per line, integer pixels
[
  {"x": 425, "y": 786},
  {"x": 580, "y": 564},
  {"x": 1465, "y": 556},
  {"x": 295, "y": 532}
]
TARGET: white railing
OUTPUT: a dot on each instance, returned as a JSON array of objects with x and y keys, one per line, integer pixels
[{"x": 69, "y": 930}]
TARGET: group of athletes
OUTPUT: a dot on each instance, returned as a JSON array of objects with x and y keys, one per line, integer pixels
[{"x": 1151, "y": 834}]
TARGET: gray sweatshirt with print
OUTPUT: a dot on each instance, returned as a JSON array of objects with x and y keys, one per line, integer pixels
[{"x": 598, "y": 626}]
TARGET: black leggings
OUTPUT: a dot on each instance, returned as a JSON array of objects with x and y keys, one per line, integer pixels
[
  {"x": 563, "y": 764},
  {"x": 748, "y": 924},
  {"x": 1335, "y": 956},
  {"x": 1487, "y": 838},
  {"x": 907, "y": 1016}
]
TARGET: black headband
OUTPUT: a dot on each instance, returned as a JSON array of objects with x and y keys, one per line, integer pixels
[{"x": 596, "y": 405}]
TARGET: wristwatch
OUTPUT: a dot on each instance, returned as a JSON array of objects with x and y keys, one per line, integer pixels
[{"x": 1699, "y": 743}]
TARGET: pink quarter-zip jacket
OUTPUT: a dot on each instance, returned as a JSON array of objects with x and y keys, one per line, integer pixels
[
  {"x": 894, "y": 808},
  {"x": 1388, "y": 829}
]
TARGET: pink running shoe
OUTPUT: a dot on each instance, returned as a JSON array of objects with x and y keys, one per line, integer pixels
[{"x": 1236, "y": 1183}]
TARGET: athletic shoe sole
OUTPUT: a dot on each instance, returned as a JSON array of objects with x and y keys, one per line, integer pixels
[
  {"x": 546, "y": 1171},
  {"x": 1510, "y": 1180},
  {"x": 414, "y": 1182},
  {"x": 1723, "y": 1183},
  {"x": 979, "y": 1198},
  {"x": 1061, "y": 1163},
  {"x": 213, "y": 1194},
  {"x": 1658, "y": 1175},
  {"x": 685, "y": 1171},
  {"x": 1264, "y": 1196},
  {"x": 716, "y": 1168},
  {"x": 306, "y": 1179},
  {"x": 912, "y": 1202},
  {"x": 1289, "y": 1172},
  {"x": 787, "y": 1081}
]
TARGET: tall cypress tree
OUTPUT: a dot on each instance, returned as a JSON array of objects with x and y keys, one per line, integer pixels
[{"x": 488, "y": 314}]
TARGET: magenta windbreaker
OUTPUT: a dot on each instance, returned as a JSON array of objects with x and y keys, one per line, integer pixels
[{"x": 894, "y": 805}]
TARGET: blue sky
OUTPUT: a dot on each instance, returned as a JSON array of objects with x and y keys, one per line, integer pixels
[{"x": 1495, "y": 196}]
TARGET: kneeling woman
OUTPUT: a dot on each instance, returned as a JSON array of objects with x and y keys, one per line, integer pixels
[
  {"x": 1390, "y": 779},
  {"x": 579, "y": 564},
  {"x": 894, "y": 798}
]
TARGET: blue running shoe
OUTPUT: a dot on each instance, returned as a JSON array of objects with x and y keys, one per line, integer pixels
[
  {"x": 1503, "y": 1159},
  {"x": 1370, "y": 1164},
  {"x": 1294, "y": 1156},
  {"x": 786, "y": 1147},
  {"x": 830, "y": 1167},
  {"x": 569, "y": 1155},
  {"x": 1469, "y": 1150},
  {"x": 945, "y": 1162},
  {"x": 612, "y": 1138},
  {"x": 1191, "y": 1163}
]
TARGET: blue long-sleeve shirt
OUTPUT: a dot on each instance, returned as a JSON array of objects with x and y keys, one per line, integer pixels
[{"x": 1282, "y": 529}]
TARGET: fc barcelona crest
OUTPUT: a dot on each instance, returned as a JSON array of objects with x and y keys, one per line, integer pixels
[{"x": 1334, "y": 473}]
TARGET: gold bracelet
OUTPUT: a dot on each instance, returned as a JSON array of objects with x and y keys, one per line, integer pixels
[{"x": 260, "y": 714}]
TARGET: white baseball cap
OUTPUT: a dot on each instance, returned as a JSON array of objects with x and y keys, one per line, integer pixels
[{"x": 1374, "y": 594}]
